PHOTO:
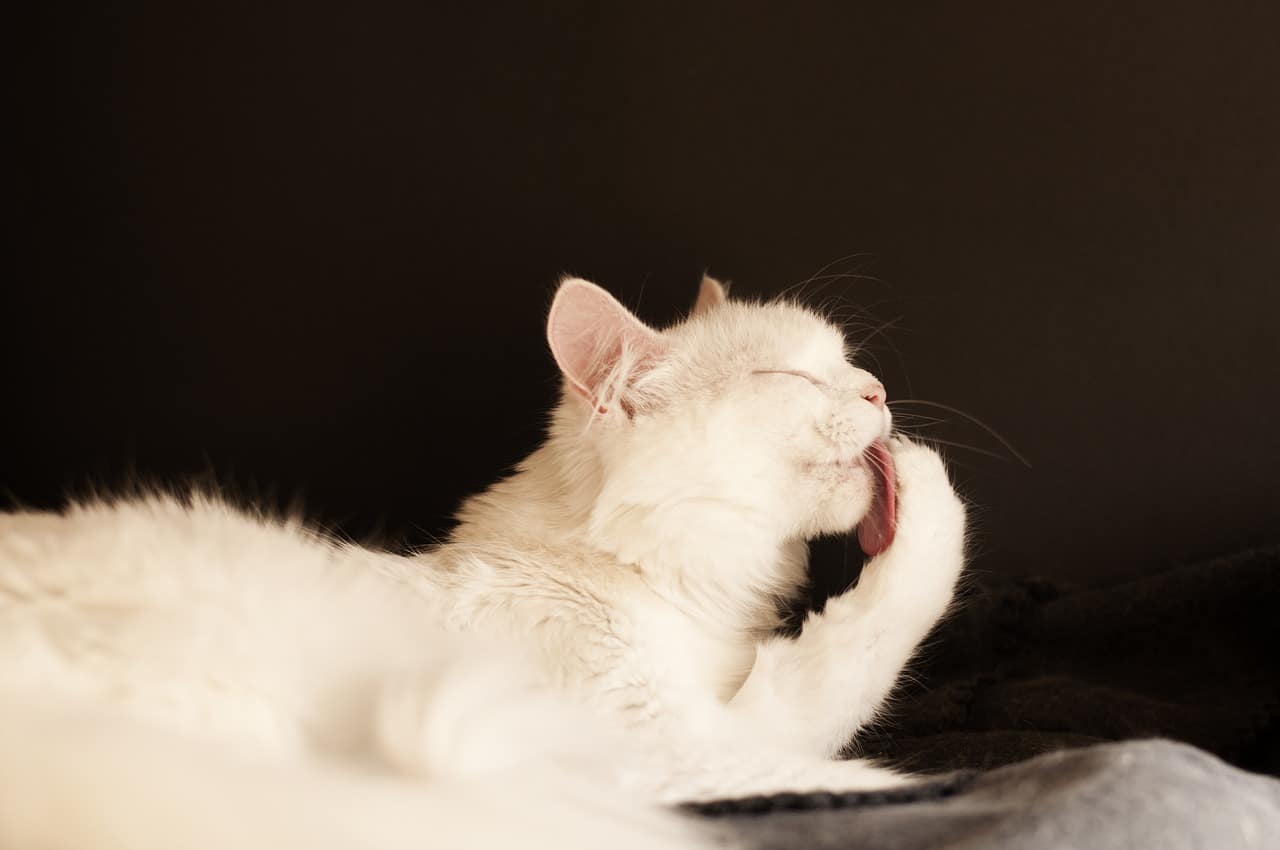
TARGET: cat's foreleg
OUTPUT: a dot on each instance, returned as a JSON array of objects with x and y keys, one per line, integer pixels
[{"x": 811, "y": 693}]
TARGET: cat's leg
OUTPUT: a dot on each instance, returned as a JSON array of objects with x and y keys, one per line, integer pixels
[
  {"x": 78, "y": 776},
  {"x": 745, "y": 772},
  {"x": 811, "y": 693}
]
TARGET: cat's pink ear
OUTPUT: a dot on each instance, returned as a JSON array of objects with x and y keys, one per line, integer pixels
[
  {"x": 599, "y": 345},
  {"x": 711, "y": 293}
]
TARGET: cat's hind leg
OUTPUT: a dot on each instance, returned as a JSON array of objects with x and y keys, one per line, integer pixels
[
  {"x": 747, "y": 771},
  {"x": 78, "y": 777}
]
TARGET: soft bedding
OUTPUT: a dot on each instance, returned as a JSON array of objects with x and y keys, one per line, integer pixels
[
  {"x": 1138, "y": 794},
  {"x": 1041, "y": 708}
]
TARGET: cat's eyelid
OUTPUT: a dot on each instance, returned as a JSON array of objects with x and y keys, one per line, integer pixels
[{"x": 799, "y": 373}]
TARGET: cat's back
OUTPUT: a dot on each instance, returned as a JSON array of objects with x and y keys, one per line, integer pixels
[
  {"x": 162, "y": 553},
  {"x": 136, "y": 548},
  {"x": 191, "y": 612}
]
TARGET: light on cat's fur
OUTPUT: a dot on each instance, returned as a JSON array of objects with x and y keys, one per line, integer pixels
[{"x": 596, "y": 636}]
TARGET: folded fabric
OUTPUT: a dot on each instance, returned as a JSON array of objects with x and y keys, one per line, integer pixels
[{"x": 1136, "y": 794}]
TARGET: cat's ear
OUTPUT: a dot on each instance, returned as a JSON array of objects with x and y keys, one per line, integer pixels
[
  {"x": 711, "y": 293},
  {"x": 601, "y": 348}
]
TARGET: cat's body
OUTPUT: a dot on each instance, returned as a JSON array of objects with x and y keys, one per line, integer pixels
[{"x": 635, "y": 562}]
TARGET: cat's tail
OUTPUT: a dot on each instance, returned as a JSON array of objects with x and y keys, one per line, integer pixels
[{"x": 76, "y": 777}]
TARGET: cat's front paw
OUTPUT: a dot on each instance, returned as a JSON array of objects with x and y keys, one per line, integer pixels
[{"x": 928, "y": 507}]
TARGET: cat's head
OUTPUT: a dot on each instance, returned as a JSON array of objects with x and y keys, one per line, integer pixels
[{"x": 743, "y": 411}]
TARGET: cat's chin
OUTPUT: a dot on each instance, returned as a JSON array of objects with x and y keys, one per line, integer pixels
[
  {"x": 841, "y": 471},
  {"x": 842, "y": 510}
]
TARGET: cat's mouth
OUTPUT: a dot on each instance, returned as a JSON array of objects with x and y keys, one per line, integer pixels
[{"x": 877, "y": 528}]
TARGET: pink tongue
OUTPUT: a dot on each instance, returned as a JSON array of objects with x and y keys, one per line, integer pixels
[{"x": 875, "y": 532}]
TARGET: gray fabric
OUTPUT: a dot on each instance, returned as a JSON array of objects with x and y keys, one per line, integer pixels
[{"x": 1138, "y": 794}]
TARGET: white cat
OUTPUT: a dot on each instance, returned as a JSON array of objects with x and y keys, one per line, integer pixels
[{"x": 180, "y": 674}]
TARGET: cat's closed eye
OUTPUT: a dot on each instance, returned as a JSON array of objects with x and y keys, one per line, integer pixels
[{"x": 796, "y": 372}]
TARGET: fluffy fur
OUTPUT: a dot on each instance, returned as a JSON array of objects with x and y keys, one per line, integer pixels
[{"x": 596, "y": 636}]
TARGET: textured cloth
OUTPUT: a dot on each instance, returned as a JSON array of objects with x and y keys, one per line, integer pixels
[
  {"x": 1139, "y": 794},
  {"x": 1018, "y": 692},
  {"x": 1027, "y": 666}
]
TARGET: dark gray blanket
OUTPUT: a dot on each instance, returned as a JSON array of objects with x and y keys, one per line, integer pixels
[
  {"x": 1026, "y": 666},
  {"x": 1019, "y": 691},
  {"x": 1140, "y": 794}
]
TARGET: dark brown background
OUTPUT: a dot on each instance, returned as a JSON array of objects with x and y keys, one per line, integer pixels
[{"x": 308, "y": 250}]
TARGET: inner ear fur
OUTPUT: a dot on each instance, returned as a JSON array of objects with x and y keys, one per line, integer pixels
[{"x": 600, "y": 345}]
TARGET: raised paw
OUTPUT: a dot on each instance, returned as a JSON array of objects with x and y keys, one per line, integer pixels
[{"x": 927, "y": 504}]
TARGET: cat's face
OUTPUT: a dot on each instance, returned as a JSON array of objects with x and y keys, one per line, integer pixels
[{"x": 741, "y": 411}]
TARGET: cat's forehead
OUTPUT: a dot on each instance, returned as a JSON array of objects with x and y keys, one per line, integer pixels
[{"x": 765, "y": 332}]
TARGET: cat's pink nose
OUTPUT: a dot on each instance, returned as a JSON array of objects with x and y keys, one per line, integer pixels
[{"x": 874, "y": 393}]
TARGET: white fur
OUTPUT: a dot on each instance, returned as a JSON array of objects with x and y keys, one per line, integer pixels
[{"x": 185, "y": 675}]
